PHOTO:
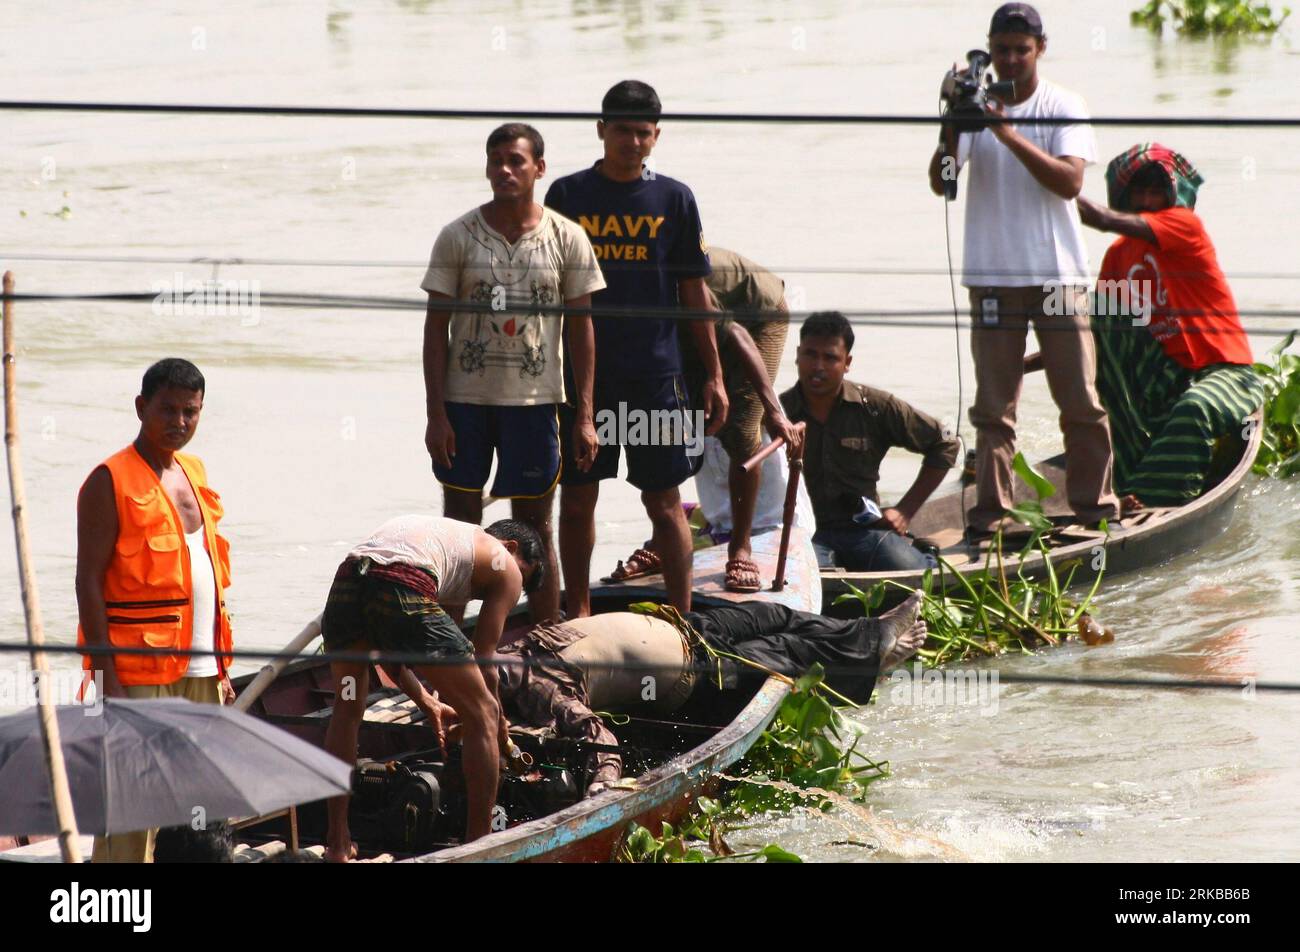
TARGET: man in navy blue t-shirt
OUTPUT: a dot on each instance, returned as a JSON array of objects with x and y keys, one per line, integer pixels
[{"x": 647, "y": 234}]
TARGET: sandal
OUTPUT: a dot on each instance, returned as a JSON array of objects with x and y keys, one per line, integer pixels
[
  {"x": 642, "y": 562},
  {"x": 742, "y": 576}
]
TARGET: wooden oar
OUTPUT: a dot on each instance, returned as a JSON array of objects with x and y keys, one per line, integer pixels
[
  {"x": 271, "y": 671},
  {"x": 69, "y": 845}
]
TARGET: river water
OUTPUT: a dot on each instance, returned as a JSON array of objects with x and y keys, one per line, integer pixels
[{"x": 313, "y": 421}]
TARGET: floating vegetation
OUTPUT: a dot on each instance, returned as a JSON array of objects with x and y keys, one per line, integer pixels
[
  {"x": 990, "y": 613},
  {"x": 1209, "y": 17},
  {"x": 1279, "y": 451},
  {"x": 803, "y": 759},
  {"x": 684, "y": 844}
]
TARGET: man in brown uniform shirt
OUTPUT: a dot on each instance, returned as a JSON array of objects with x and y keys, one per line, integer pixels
[{"x": 850, "y": 429}]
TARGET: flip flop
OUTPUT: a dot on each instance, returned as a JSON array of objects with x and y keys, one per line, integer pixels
[
  {"x": 739, "y": 572},
  {"x": 642, "y": 562}
]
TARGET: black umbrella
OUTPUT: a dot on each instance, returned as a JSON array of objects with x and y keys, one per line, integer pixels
[{"x": 166, "y": 762}]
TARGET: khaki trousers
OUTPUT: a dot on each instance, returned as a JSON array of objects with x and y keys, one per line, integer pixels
[
  {"x": 1060, "y": 319},
  {"x": 137, "y": 847}
]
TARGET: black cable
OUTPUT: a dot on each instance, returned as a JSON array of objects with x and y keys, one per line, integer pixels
[
  {"x": 903, "y": 317},
  {"x": 411, "y": 658},
  {"x": 392, "y": 112},
  {"x": 177, "y": 301},
  {"x": 956, "y": 333},
  {"x": 240, "y": 261}
]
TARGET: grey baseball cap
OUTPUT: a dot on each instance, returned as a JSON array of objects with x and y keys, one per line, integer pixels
[{"x": 1016, "y": 18}]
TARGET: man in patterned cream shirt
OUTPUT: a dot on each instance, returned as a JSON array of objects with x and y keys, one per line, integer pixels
[{"x": 492, "y": 372}]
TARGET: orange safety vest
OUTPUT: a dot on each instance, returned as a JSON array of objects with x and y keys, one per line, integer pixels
[{"x": 147, "y": 586}]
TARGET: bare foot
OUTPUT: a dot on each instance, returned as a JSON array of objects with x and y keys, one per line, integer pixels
[
  {"x": 901, "y": 632},
  {"x": 335, "y": 855},
  {"x": 1130, "y": 504},
  {"x": 903, "y": 647}
]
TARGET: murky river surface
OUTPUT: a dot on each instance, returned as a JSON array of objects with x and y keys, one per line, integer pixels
[{"x": 313, "y": 423}]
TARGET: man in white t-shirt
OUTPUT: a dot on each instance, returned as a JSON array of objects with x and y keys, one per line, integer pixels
[
  {"x": 492, "y": 370},
  {"x": 1025, "y": 261}
]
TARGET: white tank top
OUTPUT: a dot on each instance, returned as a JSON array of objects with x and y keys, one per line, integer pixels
[
  {"x": 443, "y": 546},
  {"x": 203, "y": 594}
]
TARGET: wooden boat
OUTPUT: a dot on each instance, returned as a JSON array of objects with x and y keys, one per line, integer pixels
[
  {"x": 1146, "y": 538},
  {"x": 668, "y": 764}
]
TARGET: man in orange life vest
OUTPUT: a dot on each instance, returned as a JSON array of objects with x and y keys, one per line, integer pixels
[{"x": 151, "y": 568}]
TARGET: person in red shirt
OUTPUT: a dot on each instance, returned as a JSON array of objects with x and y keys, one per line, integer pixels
[{"x": 1174, "y": 367}]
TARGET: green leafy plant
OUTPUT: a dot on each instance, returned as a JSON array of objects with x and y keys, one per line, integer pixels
[
  {"x": 687, "y": 842},
  {"x": 808, "y": 751},
  {"x": 1279, "y": 451},
  {"x": 803, "y": 758},
  {"x": 1209, "y": 17},
  {"x": 988, "y": 613}
]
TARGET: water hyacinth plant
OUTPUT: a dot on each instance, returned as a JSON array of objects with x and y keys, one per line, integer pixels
[
  {"x": 1210, "y": 17},
  {"x": 1279, "y": 451},
  {"x": 990, "y": 613},
  {"x": 807, "y": 753},
  {"x": 697, "y": 840},
  {"x": 804, "y": 758}
]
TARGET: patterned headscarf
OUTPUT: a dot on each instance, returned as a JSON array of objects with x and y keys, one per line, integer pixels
[{"x": 1183, "y": 179}]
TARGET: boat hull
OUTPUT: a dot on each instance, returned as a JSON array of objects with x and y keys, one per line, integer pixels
[{"x": 1152, "y": 538}]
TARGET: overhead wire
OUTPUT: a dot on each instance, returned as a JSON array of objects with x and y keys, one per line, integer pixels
[
  {"x": 277, "y": 262},
  {"x": 379, "y": 657},
  {"x": 784, "y": 118},
  {"x": 174, "y": 300}
]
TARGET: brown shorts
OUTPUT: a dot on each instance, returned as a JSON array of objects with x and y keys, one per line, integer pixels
[{"x": 742, "y": 435}]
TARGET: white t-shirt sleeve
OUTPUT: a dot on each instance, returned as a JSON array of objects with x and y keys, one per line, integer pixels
[
  {"x": 445, "y": 264},
  {"x": 581, "y": 269},
  {"x": 1076, "y": 139},
  {"x": 965, "y": 142}
]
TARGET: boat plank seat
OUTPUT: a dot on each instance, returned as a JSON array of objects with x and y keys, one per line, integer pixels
[
  {"x": 383, "y": 702},
  {"x": 398, "y": 709}
]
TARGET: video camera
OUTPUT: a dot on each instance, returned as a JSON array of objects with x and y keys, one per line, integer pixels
[{"x": 967, "y": 93}]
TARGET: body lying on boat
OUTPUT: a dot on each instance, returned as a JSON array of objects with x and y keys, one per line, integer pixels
[
  {"x": 409, "y": 797},
  {"x": 410, "y": 800}
]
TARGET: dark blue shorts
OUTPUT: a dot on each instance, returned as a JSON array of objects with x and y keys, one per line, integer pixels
[
  {"x": 653, "y": 420},
  {"x": 526, "y": 441}
]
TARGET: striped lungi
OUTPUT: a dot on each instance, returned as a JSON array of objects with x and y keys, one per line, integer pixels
[{"x": 1164, "y": 418}]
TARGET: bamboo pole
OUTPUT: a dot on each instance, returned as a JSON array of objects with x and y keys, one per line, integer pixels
[
  {"x": 271, "y": 671},
  {"x": 787, "y": 517},
  {"x": 69, "y": 845},
  {"x": 764, "y": 453}
]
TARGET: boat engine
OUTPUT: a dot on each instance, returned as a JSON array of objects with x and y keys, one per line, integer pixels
[
  {"x": 417, "y": 803},
  {"x": 407, "y": 806}
]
